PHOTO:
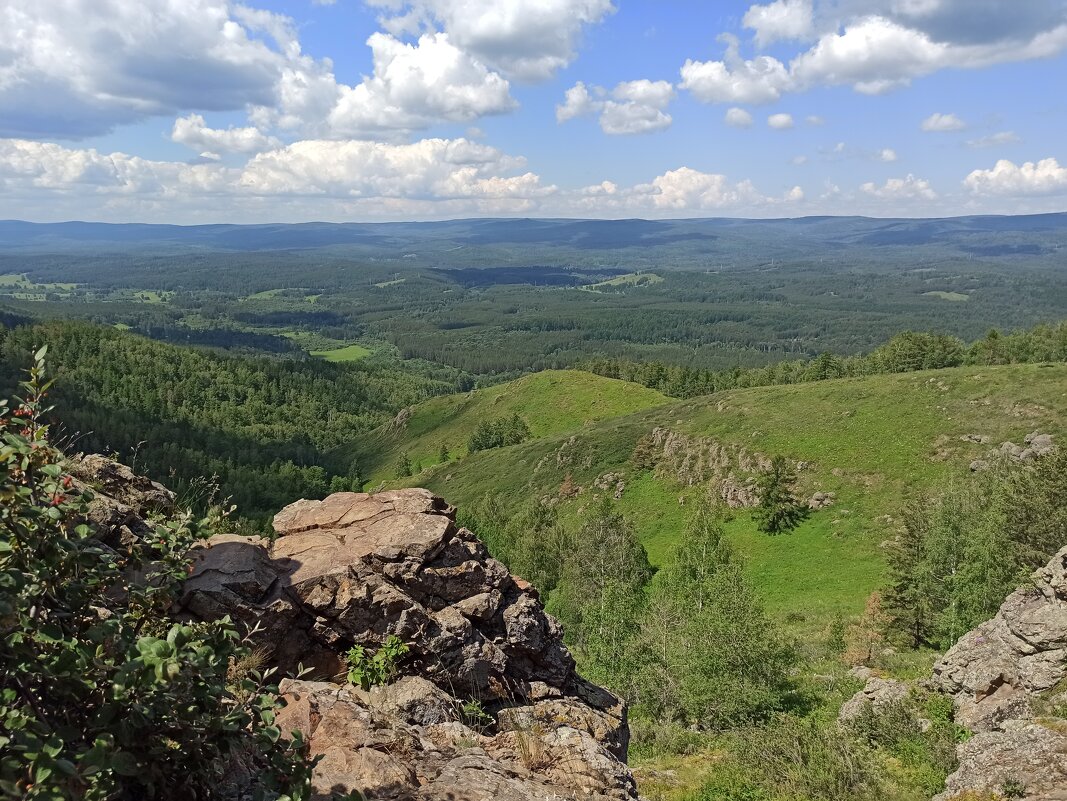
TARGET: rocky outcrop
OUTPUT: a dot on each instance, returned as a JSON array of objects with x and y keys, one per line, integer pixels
[
  {"x": 1034, "y": 445},
  {"x": 487, "y": 705},
  {"x": 410, "y": 740},
  {"x": 123, "y": 501},
  {"x": 994, "y": 672},
  {"x": 1027, "y": 760},
  {"x": 357, "y": 568},
  {"x": 999, "y": 676}
]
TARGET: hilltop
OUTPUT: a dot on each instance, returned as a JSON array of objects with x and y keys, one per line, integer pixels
[
  {"x": 869, "y": 441},
  {"x": 552, "y": 403}
]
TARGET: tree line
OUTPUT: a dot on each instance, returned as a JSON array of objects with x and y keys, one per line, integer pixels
[{"x": 905, "y": 352}]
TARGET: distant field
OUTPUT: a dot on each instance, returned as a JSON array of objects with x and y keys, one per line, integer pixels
[
  {"x": 958, "y": 297},
  {"x": 630, "y": 279},
  {"x": 869, "y": 440},
  {"x": 266, "y": 294},
  {"x": 351, "y": 353}
]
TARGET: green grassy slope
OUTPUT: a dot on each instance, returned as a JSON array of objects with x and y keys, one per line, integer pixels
[
  {"x": 552, "y": 403},
  {"x": 868, "y": 439}
]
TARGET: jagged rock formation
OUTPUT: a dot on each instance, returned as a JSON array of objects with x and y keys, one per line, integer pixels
[
  {"x": 356, "y": 568},
  {"x": 1000, "y": 677}
]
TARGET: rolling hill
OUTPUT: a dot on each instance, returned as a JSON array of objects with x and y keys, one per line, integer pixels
[
  {"x": 552, "y": 403},
  {"x": 867, "y": 440}
]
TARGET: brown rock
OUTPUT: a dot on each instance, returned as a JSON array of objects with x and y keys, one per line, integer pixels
[
  {"x": 403, "y": 742},
  {"x": 358, "y": 568}
]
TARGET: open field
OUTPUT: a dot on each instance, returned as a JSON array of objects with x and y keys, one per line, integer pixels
[
  {"x": 350, "y": 353},
  {"x": 552, "y": 403}
]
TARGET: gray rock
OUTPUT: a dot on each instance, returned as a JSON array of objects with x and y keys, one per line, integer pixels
[
  {"x": 123, "y": 502},
  {"x": 997, "y": 675},
  {"x": 357, "y": 568},
  {"x": 877, "y": 693},
  {"x": 993, "y": 672},
  {"x": 1030, "y": 755},
  {"x": 1039, "y": 443}
]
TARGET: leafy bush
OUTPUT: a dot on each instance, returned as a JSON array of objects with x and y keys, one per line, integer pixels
[
  {"x": 101, "y": 695},
  {"x": 372, "y": 670},
  {"x": 473, "y": 715},
  {"x": 922, "y": 755},
  {"x": 799, "y": 757}
]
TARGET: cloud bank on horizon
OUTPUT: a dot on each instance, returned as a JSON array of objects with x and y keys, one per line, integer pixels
[{"x": 210, "y": 110}]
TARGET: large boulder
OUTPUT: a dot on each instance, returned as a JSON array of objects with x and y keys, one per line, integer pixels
[
  {"x": 357, "y": 568},
  {"x": 994, "y": 672},
  {"x": 1029, "y": 758},
  {"x": 1001, "y": 677}
]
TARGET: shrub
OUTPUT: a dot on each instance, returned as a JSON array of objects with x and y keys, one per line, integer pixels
[
  {"x": 498, "y": 433},
  {"x": 101, "y": 695},
  {"x": 372, "y": 670}
]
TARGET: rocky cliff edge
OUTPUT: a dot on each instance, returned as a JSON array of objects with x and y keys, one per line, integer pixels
[{"x": 487, "y": 704}]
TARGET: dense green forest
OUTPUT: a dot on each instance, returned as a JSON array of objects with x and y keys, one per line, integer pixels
[
  {"x": 500, "y": 299},
  {"x": 903, "y": 353},
  {"x": 264, "y": 430},
  {"x": 260, "y": 431}
]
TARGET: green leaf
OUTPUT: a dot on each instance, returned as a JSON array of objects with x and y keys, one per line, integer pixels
[{"x": 124, "y": 763}]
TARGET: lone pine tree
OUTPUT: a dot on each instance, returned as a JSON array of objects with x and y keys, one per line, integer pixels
[{"x": 779, "y": 510}]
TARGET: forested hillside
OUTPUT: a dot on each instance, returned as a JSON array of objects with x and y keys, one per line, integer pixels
[{"x": 260, "y": 431}]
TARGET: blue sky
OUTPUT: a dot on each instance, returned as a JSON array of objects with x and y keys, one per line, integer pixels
[{"x": 273, "y": 110}]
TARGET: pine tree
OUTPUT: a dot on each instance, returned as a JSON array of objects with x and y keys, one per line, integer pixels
[
  {"x": 403, "y": 466},
  {"x": 907, "y": 599},
  {"x": 779, "y": 511}
]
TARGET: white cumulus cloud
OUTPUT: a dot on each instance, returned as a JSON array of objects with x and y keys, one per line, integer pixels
[
  {"x": 876, "y": 46},
  {"x": 780, "y": 122},
  {"x": 415, "y": 85},
  {"x": 632, "y": 107},
  {"x": 193, "y": 132},
  {"x": 527, "y": 40},
  {"x": 902, "y": 189},
  {"x": 939, "y": 123},
  {"x": 782, "y": 19},
  {"x": 81, "y": 67},
  {"x": 689, "y": 189},
  {"x": 738, "y": 118},
  {"x": 1044, "y": 177},
  {"x": 735, "y": 79}
]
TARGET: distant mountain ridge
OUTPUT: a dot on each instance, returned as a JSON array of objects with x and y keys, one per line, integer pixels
[{"x": 687, "y": 242}]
